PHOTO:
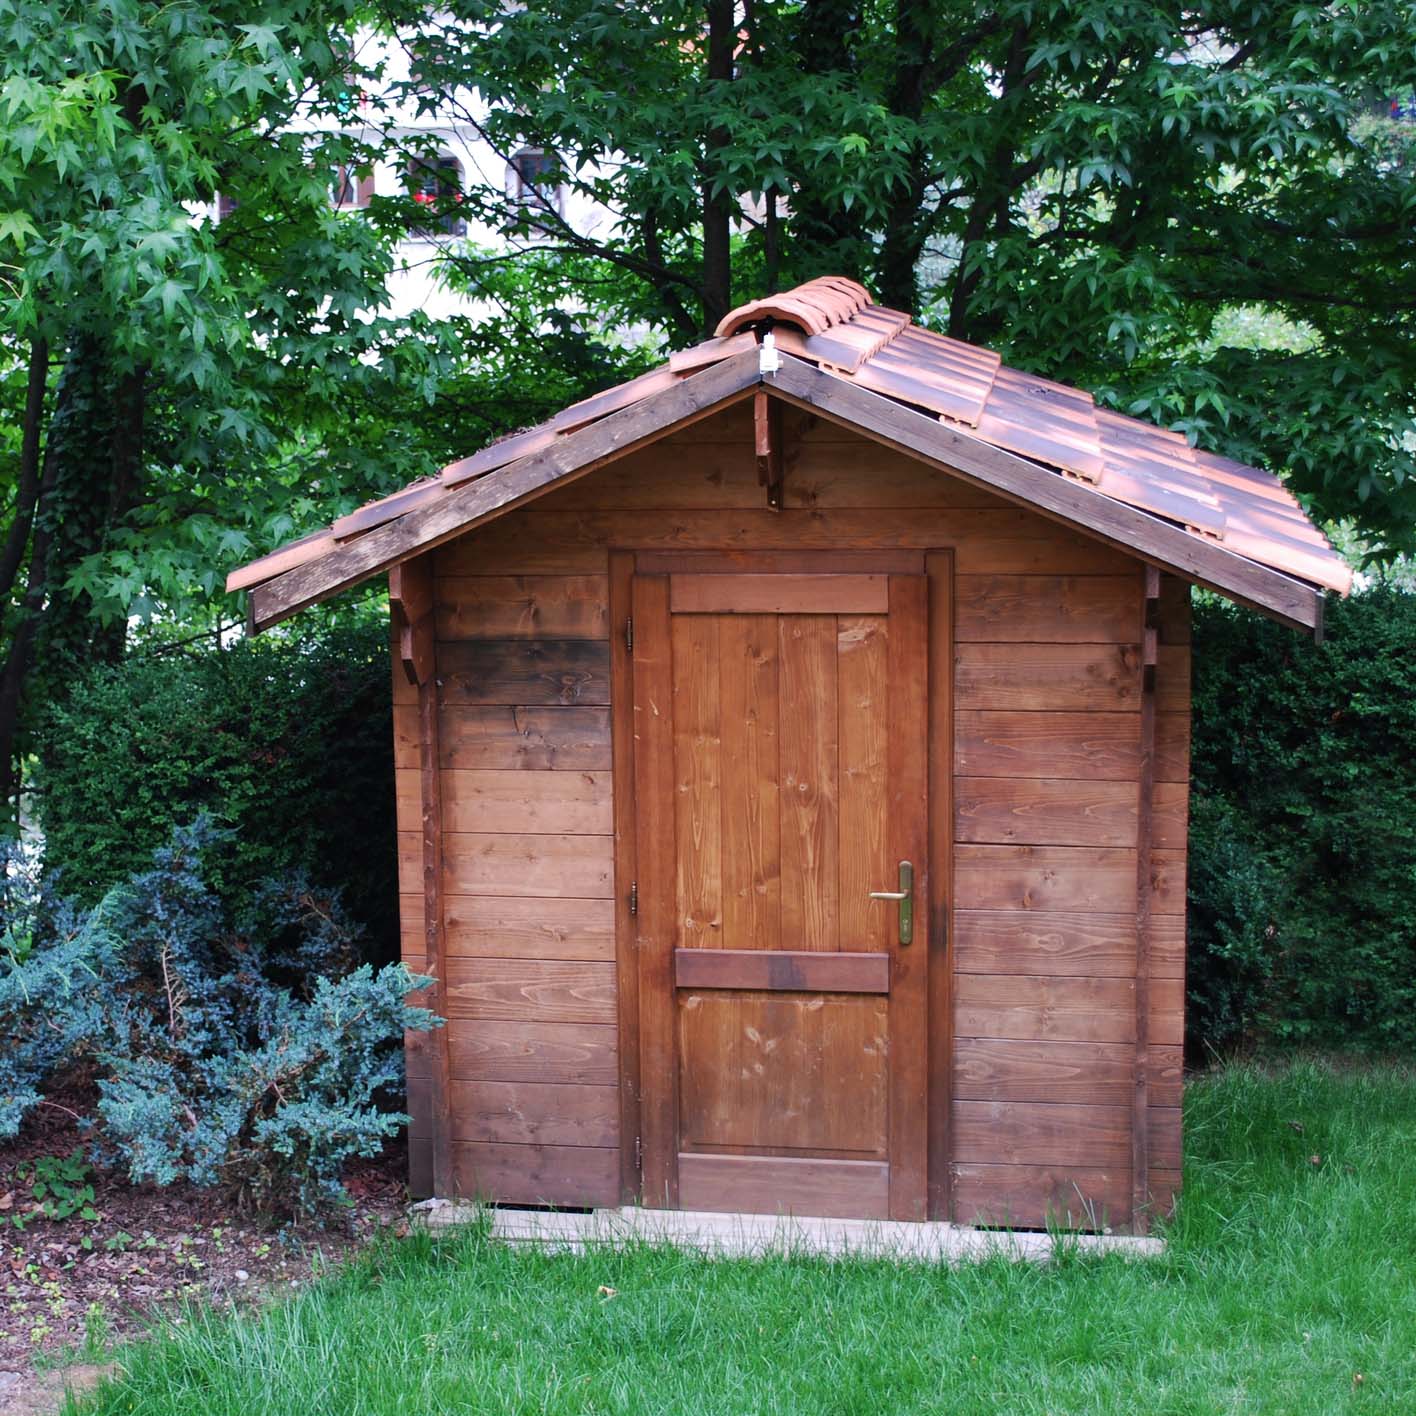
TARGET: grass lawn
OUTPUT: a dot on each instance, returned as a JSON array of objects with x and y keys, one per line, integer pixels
[{"x": 1289, "y": 1286}]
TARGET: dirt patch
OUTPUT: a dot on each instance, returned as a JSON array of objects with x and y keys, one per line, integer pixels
[
  {"x": 71, "y": 1289},
  {"x": 42, "y": 1393}
]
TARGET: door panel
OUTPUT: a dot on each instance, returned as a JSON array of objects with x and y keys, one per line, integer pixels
[
  {"x": 753, "y": 1072},
  {"x": 696, "y": 709},
  {"x": 797, "y": 971},
  {"x": 863, "y": 702},
  {"x": 807, "y": 731},
  {"x": 780, "y": 729},
  {"x": 748, "y": 686},
  {"x": 778, "y": 594},
  {"x": 759, "y": 1184}
]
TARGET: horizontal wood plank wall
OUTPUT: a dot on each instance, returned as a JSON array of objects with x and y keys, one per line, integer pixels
[
  {"x": 528, "y": 864},
  {"x": 1048, "y": 669},
  {"x": 1047, "y": 679}
]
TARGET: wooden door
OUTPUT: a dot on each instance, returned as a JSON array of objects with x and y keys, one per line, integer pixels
[{"x": 780, "y": 725}]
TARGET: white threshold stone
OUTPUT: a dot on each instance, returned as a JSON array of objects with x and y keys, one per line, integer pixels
[{"x": 747, "y": 1235}]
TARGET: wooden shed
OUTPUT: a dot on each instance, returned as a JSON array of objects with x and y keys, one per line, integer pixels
[{"x": 792, "y": 759}]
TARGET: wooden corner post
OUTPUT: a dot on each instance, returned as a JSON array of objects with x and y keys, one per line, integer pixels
[
  {"x": 410, "y": 593},
  {"x": 1145, "y": 789},
  {"x": 626, "y": 867}
]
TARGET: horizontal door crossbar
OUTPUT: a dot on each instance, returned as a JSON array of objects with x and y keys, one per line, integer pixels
[
  {"x": 779, "y": 594},
  {"x": 794, "y": 971}
]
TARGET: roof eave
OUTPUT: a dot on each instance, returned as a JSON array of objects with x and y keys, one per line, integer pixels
[
  {"x": 341, "y": 565},
  {"x": 466, "y": 507},
  {"x": 1161, "y": 543}
]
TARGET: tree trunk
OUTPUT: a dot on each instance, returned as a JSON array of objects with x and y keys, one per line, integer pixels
[
  {"x": 827, "y": 237},
  {"x": 1001, "y": 178},
  {"x": 905, "y": 229},
  {"x": 17, "y": 661},
  {"x": 717, "y": 206},
  {"x": 81, "y": 498},
  {"x": 903, "y": 246},
  {"x": 27, "y": 492}
]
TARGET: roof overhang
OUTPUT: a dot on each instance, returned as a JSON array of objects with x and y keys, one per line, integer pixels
[
  {"x": 473, "y": 504},
  {"x": 320, "y": 566},
  {"x": 1073, "y": 503}
]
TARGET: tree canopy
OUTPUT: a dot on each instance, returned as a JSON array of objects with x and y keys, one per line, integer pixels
[
  {"x": 182, "y": 389},
  {"x": 1198, "y": 212},
  {"x": 1096, "y": 188}
]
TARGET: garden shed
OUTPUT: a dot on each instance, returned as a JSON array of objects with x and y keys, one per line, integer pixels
[{"x": 792, "y": 765}]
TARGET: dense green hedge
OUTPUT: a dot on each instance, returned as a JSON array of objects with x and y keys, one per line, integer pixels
[
  {"x": 285, "y": 739},
  {"x": 1303, "y": 836}
]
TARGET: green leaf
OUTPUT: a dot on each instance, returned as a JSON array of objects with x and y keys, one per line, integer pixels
[{"x": 17, "y": 226}]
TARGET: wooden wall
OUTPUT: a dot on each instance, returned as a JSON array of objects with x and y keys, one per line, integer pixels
[
  {"x": 1167, "y": 952},
  {"x": 523, "y": 684},
  {"x": 1050, "y": 806}
]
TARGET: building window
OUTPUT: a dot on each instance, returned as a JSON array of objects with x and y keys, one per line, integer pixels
[
  {"x": 531, "y": 179},
  {"x": 347, "y": 188},
  {"x": 437, "y": 185},
  {"x": 226, "y": 205}
]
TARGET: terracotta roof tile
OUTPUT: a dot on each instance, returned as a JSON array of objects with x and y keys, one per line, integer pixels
[
  {"x": 1047, "y": 421},
  {"x": 385, "y": 509},
  {"x": 613, "y": 399},
  {"x": 685, "y": 361},
  {"x": 1148, "y": 467},
  {"x": 815, "y": 306},
  {"x": 498, "y": 454}
]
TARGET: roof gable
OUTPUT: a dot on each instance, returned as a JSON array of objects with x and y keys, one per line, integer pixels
[{"x": 826, "y": 347}]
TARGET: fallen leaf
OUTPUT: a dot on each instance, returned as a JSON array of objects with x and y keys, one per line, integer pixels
[
  {"x": 605, "y": 1291},
  {"x": 1297, "y": 1126},
  {"x": 1315, "y": 1160}
]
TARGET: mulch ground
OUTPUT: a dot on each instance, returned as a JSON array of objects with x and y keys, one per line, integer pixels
[{"x": 70, "y": 1289}]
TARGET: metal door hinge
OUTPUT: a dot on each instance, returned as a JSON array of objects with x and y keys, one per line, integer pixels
[
  {"x": 639, "y": 1154},
  {"x": 629, "y": 634},
  {"x": 634, "y": 897}
]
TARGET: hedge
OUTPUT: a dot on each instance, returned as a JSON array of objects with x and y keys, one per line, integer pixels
[
  {"x": 287, "y": 740},
  {"x": 1303, "y": 833}
]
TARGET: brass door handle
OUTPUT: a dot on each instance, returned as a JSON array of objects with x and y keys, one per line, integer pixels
[{"x": 904, "y": 897}]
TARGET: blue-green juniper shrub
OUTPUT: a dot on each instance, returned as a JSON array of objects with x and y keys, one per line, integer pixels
[{"x": 234, "y": 1048}]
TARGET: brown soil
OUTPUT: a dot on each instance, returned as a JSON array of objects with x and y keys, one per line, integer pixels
[{"x": 71, "y": 1289}]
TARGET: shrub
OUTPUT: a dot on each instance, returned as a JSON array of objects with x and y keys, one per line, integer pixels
[
  {"x": 53, "y": 958},
  {"x": 287, "y": 740},
  {"x": 1303, "y": 853},
  {"x": 241, "y": 1052}
]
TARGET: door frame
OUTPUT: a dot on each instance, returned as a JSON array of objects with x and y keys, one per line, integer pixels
[{"x": 938, "y": 568}]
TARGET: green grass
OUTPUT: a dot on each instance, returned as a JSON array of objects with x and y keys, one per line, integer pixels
[{"x": 1284, "y": 1280}]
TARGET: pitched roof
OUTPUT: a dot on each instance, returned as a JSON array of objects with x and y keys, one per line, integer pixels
[{"x": 1040, "y": 443}]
